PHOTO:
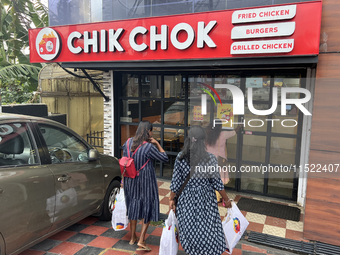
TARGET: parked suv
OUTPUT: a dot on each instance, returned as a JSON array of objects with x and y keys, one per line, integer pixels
[{"x": 50, "y": 178}]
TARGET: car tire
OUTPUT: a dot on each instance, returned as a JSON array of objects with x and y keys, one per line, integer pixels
[{"x": 109, "y": 200}]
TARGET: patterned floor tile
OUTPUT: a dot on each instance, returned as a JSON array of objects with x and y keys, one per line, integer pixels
[
  {"x": 82, "y": 238},
  {"x": 246, "y": 247},
  {"x": 294, "y": 225},
  {"x": 223, "y": 211},
  {"x": 115, "y": 234},
  {"x": 256, "y": 227},
  {"x": 275, "y": 231},
  {"x": 103, "y": 242},
  {"x": 165, "y": 185},
  {"x": 94, "y": 230},
  {"x": 164, "y": 208},
  {"x": 276, "y": 222},
  {"x": 77, "y": 227},
  {"x": 255, "y": 217},
  {"x": 63, "y": 235},
  {"x": 67, "y": 248},
  {"x": 163, "y": 192},
  {"x": 88, "y": 250}
]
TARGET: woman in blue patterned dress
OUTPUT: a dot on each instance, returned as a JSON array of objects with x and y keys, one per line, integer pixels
[
  {"x": 200, "y": 226},
  {"x": 141, "y": 193}
]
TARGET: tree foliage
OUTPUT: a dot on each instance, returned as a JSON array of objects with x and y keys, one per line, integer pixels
[{"x": 16, "y": 18}]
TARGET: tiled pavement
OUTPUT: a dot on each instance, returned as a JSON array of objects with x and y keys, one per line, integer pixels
[
  {"x": 93, "y": 237},
  {"x": 257, "y": 222}
]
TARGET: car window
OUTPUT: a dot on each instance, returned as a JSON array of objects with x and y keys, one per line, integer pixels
[
  {"x": 63, "y": 146},
  {"x": 16, "y": 147}
]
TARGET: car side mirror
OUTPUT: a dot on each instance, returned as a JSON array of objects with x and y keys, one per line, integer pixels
[{"x": 93, "y": 155}]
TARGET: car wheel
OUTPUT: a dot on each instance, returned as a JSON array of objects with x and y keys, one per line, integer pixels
[{"x": 109, "y": 201}]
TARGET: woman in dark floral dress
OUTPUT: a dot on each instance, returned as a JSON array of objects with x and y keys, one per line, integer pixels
[{"x": 200, "y": 226}]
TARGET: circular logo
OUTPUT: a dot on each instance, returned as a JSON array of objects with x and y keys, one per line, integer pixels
[{"x": 47, "y": 43}]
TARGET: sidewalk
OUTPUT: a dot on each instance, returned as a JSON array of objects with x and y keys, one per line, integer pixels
[{"x": 93, "y": 237}]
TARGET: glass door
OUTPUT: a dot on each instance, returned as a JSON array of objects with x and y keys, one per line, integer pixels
[{"x": 269, "y": 144}]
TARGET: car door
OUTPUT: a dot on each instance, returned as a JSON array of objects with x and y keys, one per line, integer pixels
[
  {"x": 79, "y": 184},
  {"x": 25, "y": 186}
]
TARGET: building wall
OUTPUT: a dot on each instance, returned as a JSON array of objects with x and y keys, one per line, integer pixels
[
  {"x": 75, "y": 97},
  {"x": 322, "y": 211},
  {"x": 108, "y": 114}
]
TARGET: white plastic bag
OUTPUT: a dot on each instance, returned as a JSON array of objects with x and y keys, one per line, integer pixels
[
  {"x": 234, "y": 226},
  {"x": 169, "y": 238},
  {"x": 120, "y": 220}
]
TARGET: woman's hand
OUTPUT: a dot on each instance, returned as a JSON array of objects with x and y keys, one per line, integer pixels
[
  {"x": 227, "y": 204},
  {"x": 156, "y": 143},
  {"x": 172, "y": 205},
  {"x": 153, "y": 141}
]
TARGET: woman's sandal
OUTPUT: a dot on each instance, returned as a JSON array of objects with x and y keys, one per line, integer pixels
[
  {"x": 143, "y": 247},
  {"x": 133, "y": 241}
]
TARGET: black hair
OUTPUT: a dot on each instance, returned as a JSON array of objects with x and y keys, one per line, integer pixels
[
  {"x": 142, "y": 134},
  {"x": 194, "y": 149},
  {"x": 213, "y": 133}
]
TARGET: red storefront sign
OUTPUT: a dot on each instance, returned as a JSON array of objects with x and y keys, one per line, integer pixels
[{"x": 286, "y": 30}]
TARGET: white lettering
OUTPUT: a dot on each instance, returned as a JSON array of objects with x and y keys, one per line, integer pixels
[
  {"x": 70, "y": 40},
  {"x": 202, "y": 34},
  {"x": 162, "y": 37}
]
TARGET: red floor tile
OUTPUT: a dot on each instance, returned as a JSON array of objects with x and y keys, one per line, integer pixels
[
  {"x": 252, "y": 248},
  {"x": 237, "y": 198},
  {"x": 244, "y": 213},
  {"x": 88, "y": 221},
  {"x": 164, "y": 201},
  {"x": 157, "y": 232},
  {"x": 277, "y": 222},
  {"x": 103, "y": 242},
  {"x": 113, "y": 252},
  {"x": 256, "y": 227},
  {"x": 94, "y": 230},
  {"x": 32, "y": 252},
  {"x": 159, "y": 183},
  {"x": 163, "y": 192},
  {"x": 296, "y": 235},
  {"x": 235, "y": 252},
  {"x": 154, "y": 250},
  {"x": 63, "y": 235},
  {"x": 67, "y": 248}
]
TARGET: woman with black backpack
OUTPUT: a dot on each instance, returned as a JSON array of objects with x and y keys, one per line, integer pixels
[{"x": 141, "y": 192}]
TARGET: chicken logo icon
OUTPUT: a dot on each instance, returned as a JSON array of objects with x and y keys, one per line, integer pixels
[{"x": 48, "y": 43}]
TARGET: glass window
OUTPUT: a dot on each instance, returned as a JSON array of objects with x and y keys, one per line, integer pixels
[
  {"x": 260, "y": 87},
  {"x": 174, "y": 113},
  {"x": 63, "y": 146},
  {"x": 285, "y": 82},
  {"x": 127, "y": 131},
  {"x": 16, "y": 147},
  {"x": 174, "y": 86},
  {"x": 151, "y": 110},
  {"x": 130, "y": 85},
  {"x": 129, "y": 111},
  {"x": 254, "y": 148},
  {"x": 151, "y": 86},
  {"x": 225, "y": 94},
  {"x": 255, "y": 122},
  {"x": 282, "y": 150}
]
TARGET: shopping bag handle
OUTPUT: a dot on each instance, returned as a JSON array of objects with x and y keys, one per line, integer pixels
[{"x": 171, "y": 218}]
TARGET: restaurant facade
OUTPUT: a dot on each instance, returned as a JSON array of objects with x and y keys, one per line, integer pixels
[{"x": 259, "y": 64}]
